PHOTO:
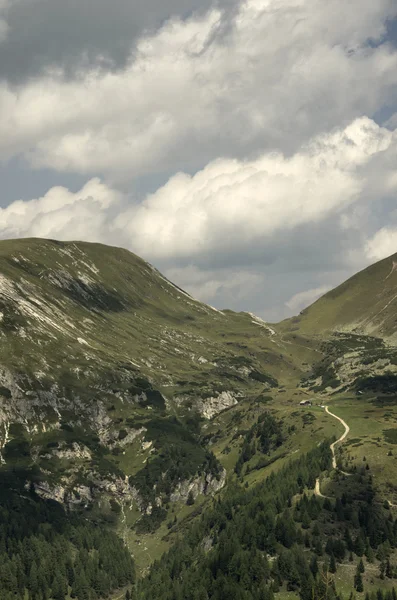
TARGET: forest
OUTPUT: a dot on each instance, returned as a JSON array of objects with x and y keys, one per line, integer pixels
[
  {"x": 248, "y": 544},
  {"x": 46, "y": 552},
  {"x": 254, "y": 542}
]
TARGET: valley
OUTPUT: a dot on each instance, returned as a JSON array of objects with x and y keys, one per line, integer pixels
[{"x": 214, "y": 447}]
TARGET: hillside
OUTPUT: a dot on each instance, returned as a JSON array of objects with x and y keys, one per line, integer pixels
[
  {"x": 70, "y": 310},
  {"x": 106, "y": 366},
  {"x": 364, "y": 304},
  {"x": 198, "y": 441}
]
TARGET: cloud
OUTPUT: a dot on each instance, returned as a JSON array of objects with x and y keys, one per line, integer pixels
[
  {"x": 267, "y": 234},
  {"x": 4, "y": 27},
  {"x": 81, "y": 34},
  {"x": 382, "y": 244},
  {"x": 62, "y": 214},
  {"x": 273, "y": 75},
  {"x": 217, "y": 285},
  {"x": 3, "y": 30},
  {"x": 303, "y": 299},
  {"x": 233, "y": 205}
]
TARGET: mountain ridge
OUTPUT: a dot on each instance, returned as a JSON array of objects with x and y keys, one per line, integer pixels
[{"x": 362, "y": 304}]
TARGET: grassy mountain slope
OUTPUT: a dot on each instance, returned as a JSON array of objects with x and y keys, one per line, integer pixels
[
  {"x": 79, "y": 307},
  {"x": 133, "y": 404},
  {"x": 364, "y": 304},
  {"x": 110, "y": 374}
]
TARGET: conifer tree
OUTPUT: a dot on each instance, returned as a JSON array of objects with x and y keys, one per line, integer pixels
[
  {"x": 314, "y": 565},
  {"x": 389, "y": 570},
  {"x": 58, "y": 590},
  {"x": 358, "y": 581},
  {"x": 332, "y": 564}
]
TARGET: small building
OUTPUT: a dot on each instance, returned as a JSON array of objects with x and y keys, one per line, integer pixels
[{"x": 305, "y": 403}]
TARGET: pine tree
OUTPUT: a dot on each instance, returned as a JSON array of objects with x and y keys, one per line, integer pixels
[
  {"x": 359, "y": 546},
  {"x": 306, "y": 522},
  {"x": 314, "y": 565},
  {"x": 369, "y": 553},
  {"x": 33, "y": 583},
  {"x": 59, "y": 590},
  {"x": 360, "y": 566},
  {"x": 382, "y": 569},
  {"x": 358, "y": 581},
  {"x": 332, "y": 564},
  {"x": 318, "y": 548},
  {"x": 389, "y": 570}
]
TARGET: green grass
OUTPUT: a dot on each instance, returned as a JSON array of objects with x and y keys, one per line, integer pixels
[
  {"x": 363, "y": 304},
  {"x": 102, "y": 343},
  {"x": 368, "y": 423}
]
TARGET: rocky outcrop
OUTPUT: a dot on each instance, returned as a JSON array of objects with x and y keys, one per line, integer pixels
[
  {"x": 78, "y": 494},
  {"x": 210, "y": 407},
  {"x": 206, "y": 484},
  {"x": 75, "y": 451},
  {"x": 116, "y": 440}
]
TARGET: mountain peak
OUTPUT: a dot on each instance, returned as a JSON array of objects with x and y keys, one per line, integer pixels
[{"x": 364, "y": 304}]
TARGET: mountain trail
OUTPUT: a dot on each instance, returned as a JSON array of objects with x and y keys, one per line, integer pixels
[
  {"x": 317, "y": 490},
  {"x": 338, "y": 441}
]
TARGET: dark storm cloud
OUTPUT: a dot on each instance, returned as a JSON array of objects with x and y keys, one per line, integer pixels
[{"x": 74, "y": 34}]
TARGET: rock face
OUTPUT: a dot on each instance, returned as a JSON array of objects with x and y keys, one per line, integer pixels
[
  {"x": 207, "y": 484},
  {"x": 212, "y": 406},
  {"x": 80, "y": 494},
  {"x": 75, "y": 451},
  {"x": 119, "y": 489}
]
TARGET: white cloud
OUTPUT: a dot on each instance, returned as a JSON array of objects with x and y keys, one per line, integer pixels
[
  {"x": 303, "y": 299},
  {"x": 233, "y": 204},
  {"x": 217, "y": 285},
  {"x": 244, "y": 233},
  {"x": 382, "y": 244},
  {"x": 62, "y": 214},
  {"x": 229, "y": 206},
  {"x": 281, "y": 72}
]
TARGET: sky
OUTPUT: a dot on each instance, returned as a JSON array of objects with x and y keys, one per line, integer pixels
[{"x": 245, "y": 148}]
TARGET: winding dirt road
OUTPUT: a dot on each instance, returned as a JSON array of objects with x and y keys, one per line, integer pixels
[
  {"x": 342, "y": 437},
  {"x": 317, "y": 490}
]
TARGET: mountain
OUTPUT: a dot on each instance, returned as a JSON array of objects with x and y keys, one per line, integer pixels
[
  {"x": 144, "y": 431},
  {"x": 106, "y": 364},
  {"x": 364, "y": 304},
  {"x": 355, "y": 327}
]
